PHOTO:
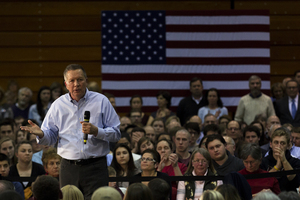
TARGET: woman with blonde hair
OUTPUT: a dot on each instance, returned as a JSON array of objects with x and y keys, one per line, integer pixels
[
  {"x": 7, "y": 147},
  {"x": 71, "y": 192},
  {"x": 200, "y": 165},
  {"x": 211, "y": 195}
]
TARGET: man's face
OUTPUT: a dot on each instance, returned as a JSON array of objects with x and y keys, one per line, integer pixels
[
  {"x": 272, "y": 120},
  {"x": 150, "y": 133},
  {"x": 251, "y": 137},
  {"x": 297, "y": 77},
  {"x": 194, "y": 136},
  {"x": 210, "y": 120},
  {"x": 217, "y": 150},
  {"x": 295, "y": 139},
  {"x": 233, "y": 128},
  {"x": 136, "y": 117},
  {"x": 124, "y": 122},
  {"x": 292, "y": 89},
  {"x": 76, "y": 83},
  {"x": 4, "y": 168},
  {"x": 196, "y": 89},
  {"x": 279, "y": 142},
  {"x": 255, "y": 86},
  {"x": 24, "y": 97},
  {"x": 182, "y": 141},
  {"x": 6, "y": 131},
  {"x": 197, "y": 120}
]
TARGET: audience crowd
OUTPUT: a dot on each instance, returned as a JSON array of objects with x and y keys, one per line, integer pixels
[{"x": 200, "y": 138}]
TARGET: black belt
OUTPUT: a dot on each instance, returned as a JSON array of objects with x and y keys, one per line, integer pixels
[{"x": 84, "y": 161}]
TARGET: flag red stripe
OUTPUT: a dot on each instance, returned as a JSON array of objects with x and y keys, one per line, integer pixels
[
  {"x": 181, "y": 77},
  {"x": 219, "y": 61},
  {"x": 217, "y": 44},
  {"x": 218, "y": 28}
]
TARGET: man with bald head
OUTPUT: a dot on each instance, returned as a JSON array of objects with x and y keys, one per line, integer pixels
[
  {"x": 150, "y": 133},
  {"x": 270, "y": 121}
]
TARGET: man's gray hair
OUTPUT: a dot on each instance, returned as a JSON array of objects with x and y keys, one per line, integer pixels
[
  {"x": 254, "y": 77},
  {"x": 266, "y": 196},
  {"x": 25, "y": 89}
]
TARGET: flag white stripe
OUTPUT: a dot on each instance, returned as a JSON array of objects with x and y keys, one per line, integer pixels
[
  {"x": 151, "y": 101},
  {"x": 185, "y": 69},
  {"x": 177, "y": 85},
  {"x": 217, "y": 20},
  {"x": 217, "y": 53},
  {"x": 219, "y": 36}
]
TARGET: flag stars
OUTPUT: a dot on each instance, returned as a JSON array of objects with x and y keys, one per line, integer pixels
[
  {"x": 161, "y": 47},
  {"x": 115, "y": 14},
  {"x": 137, "y": 14},
  {"x": 154, "y": 30},
  {"x": 160, "y": 25},
  {"x": 109, "y": 30},
  {"x": 132, "y": 41},
  {"x": 126, "y": 36},
  {"x": 143, "y": 19},
  {"x": 138, "y": 36},
  {"x": 126, "y": 14},
  {"x": 103, "y": 47},
  {"x": 149, "y": 58},
  {"x": 121, "y": 53},
  {"x": 149, "y": 14},
  {"x": 115, "y": 58},
  {"x": 115, "y": 47},
  {"x": 126, "y": 47},
  {"x": 138, "y": 47},
  {"x": 149, "y": 25},
  {"x": 138, "y": 25},
  {"x": 109, "y": 20},
  {"x": 132, "y": 31},
  {"x": 121, "y": 42},
  {"x": 120, "y": 20},
  {"x": 154, "y": 52},
  {"x": 154, "y": 41},
  {"x": 149, "y": 36},
  {"x": 144, "y": 42},
  {"x": 138, "y": 58},
  {"x": 109, "y": 53},
  {"x": 103, "y": 14},
  {"x": 160, "y": 36},
  {"x": 104, "y": 58},
  {"x": 154, "y": 19},
  {"x": 144, "y": 53},
  {"x": 126, "y": 25},
  {"x": 104, "y": 25},
  {"x": 104, "y": 36},
  {"x": 143, "y": 30},
  {"x": 109, "y": 41},
  {"x": 126, "y": 58},
  {"x": 115, "y": 25},
  {"x": 132, "y": 20},
  {"x": 160, "y": 58},
  {"x": 132, "y": 53},
  {"x": 149, "y": 47},
  {"x": 121, "y": 31},
  {"x": 115, "y": 36}
]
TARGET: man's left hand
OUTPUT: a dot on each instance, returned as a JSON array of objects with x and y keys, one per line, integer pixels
[{"x": 88, "y": 128}]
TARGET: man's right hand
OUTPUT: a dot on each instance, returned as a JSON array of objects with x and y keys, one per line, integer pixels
[{"x": 33, "y": 128}]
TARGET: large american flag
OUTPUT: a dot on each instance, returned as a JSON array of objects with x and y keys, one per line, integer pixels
[{"x": 144, "y": 52}]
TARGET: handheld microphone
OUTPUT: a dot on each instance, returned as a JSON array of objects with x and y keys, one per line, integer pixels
[{"x": 86, "y": 119}]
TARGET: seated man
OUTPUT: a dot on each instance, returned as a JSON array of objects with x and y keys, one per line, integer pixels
[
  {"x": 280, "y": 159},
  {"x": 46, "y": 188},
  {"x": 4, "y": 171},
  {"x": 223, "y": 161}
]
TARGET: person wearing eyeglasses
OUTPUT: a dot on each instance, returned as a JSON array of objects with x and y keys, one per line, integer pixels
[
  {"x": 199, "y": 165},
  {"x": 287, "y": 108}
]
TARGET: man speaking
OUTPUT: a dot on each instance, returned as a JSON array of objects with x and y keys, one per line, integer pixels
[{"x": 83, "y": 165}]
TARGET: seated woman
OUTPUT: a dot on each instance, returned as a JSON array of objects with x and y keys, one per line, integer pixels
[
  {"x": 212, "y": 104},
  {"x": 252, "y": 157},
  {"x": 7, "y": 147},
  {"x": 200, "y": 165},
  {"x": 164, "y": 103},
  {"x": 25, "y": 167},
  {"x": 123, "y": 163},
  {"x": 51, "y": 162},
  {"x": 149, "y": 163},
  {"x": 143, "y": 144},
  {"x": 169, "y": 161},
  {"x": 38, "y": 111},
  {"x": 138, "y": 191}
]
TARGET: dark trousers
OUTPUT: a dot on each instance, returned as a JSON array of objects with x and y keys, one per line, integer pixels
[{"x": 87, "y": 177}]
